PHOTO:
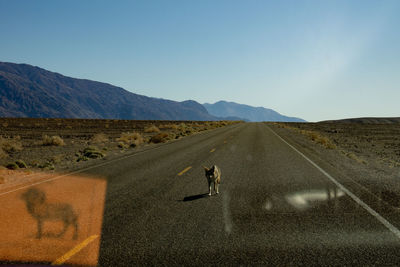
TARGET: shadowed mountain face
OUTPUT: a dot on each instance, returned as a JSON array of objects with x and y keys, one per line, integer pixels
[
  {"x": 28, "y": 91},
  {"x": 225, "y": 109}
]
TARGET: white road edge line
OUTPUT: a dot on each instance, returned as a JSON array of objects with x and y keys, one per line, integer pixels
[{"x": 379, "y": 217}]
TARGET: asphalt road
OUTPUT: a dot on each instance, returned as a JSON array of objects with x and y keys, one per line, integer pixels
[{"x": 274, "y": 208}]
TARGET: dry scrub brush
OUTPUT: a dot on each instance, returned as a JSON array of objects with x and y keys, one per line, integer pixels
[
  {"x": 54, "y": 140},
  {"x": 354, "y": 157},
  {"x": 313, "y": 135},
  {"x": 319, "y": 139},
  {"x": 159, "y": 138},
  {"x": 132, "y": 139},
  {"x": 99, "y": 138},
  {"x": 151, "y": 129},
  {"x": 8, "y": 145},
  {"x": 168, "y": 126}
]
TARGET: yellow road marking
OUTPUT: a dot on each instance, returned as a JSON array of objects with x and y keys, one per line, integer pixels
[
  {"x": 75, "y": 250},
  {"x": 212, "y": 150},
  {"x": 185, "y": 170}
]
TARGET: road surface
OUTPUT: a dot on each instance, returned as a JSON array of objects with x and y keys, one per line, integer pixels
[{"x": 275, "y": 207}]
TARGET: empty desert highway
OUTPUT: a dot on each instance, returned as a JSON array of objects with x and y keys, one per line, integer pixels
[{"x": 275, "y": 207}]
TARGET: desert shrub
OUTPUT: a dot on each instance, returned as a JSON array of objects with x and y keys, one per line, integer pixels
[
  {"x": 354, "y": 157},
  {"x": 12, "y": 166},
  {"x": 182, "y": 126},
  {"x": 35, "y": 163},
  {"x": 330, "y": 145},
  {"x": 211, "y": 125},
  {"x": 130, "y": 139},
  {"x": 189, "y": 130},
  {"x": 122, "y": 145},
  {"x": 322, "y": 140},
  {"x": 159, "y": 138},
  {"x": 54, "y": 140},
  {"x": 47, "y": 165},
  {"x": 57, "y": 158},
  {"x": 151, "y": 129},
  {"x": 314, "y": 136},
  {"x": 8, "y": 145},
  {"x": 171, "y": 136},
  {"x": 99, "y": 138},
  {"x": 169, "y": 126},
  {"x": 82, "y": 158},
  {"x": 21, "y": 164},
  {"x": 92, "y": 153}
]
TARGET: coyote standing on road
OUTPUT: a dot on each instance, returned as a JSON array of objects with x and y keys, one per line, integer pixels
[{"x": 213, "y": 175}]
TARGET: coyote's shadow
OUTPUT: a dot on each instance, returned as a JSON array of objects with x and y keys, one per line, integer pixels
[
  {"x": 195, "y": 197},
  {"x": 35, "y": 200}
]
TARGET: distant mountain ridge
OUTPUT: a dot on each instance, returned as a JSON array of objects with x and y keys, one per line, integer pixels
[
  {"x": 226, "y": 109},
  {"x": 28, "y": 91}
]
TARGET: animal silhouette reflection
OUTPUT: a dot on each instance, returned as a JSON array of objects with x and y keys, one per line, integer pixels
[{"x": 41, "y": 210}]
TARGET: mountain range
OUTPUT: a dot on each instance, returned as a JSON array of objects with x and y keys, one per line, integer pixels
[
  {"x": 249, "y": 113},
  {"x": 29, "y": 91}
]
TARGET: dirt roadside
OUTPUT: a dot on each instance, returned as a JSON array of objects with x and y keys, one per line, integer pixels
[{"x": 69, "y": 144}]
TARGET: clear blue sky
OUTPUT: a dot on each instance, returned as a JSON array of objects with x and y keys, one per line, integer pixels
[{"x": 313, "y": 59}]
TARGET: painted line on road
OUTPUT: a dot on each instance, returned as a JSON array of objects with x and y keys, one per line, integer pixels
[
  {"x": 74, "y": 250},
  {"x": 212, "y": 150},
  {"x": 185, "y": 170},
  {"x": 379, "y": 217}
]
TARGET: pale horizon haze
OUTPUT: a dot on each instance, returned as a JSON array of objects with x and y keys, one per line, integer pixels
[{"x": 317, "y": 60}]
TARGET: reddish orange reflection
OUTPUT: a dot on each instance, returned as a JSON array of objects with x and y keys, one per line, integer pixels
[{"x": 50, "y": 218}]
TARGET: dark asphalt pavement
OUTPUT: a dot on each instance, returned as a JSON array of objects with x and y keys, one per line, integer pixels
[{"x": 274, "y": 208}]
